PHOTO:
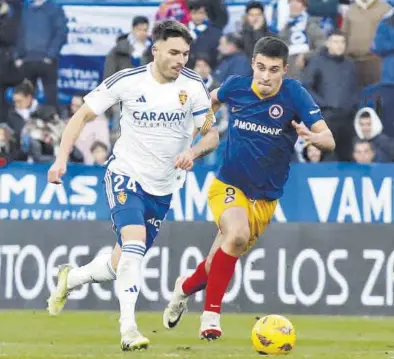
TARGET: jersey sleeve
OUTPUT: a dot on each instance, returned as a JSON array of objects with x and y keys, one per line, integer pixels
[
  {"x": 107, "y": 94},
  {"x": 201, "y": 106},
  {"x": 225, "y": 88},
  {"x": 307, "y": 109}
]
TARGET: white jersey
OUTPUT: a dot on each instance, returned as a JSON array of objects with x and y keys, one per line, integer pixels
[{"x": 157, "y": 122}]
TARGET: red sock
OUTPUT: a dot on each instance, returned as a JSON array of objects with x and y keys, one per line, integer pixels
[
  {"x": 197, "y": 281},
  {"x": 220, "y": 274}
]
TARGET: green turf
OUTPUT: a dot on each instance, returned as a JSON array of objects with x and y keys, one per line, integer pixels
[{"x": 29, "y": 334}]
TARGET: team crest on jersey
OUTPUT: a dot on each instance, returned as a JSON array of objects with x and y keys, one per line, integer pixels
[
  {"x": 122, "y": 197},
  {"x": 275, "y": 111},
  {"x": 182, "y": 97}
]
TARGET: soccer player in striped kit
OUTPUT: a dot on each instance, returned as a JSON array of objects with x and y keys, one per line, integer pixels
[{"x": 164, "y": 105}]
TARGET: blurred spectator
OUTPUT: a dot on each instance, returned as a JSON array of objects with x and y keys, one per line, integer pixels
[
  {"x": 380, "y": 97},
  {"x": 304, "y": 36},
  {"x": 173, "y": 10},
  {"x": 360, "y": 24},
  {"x": 93, "y": 131},
  {"x": 368, "y": 127},
  {"x": 205, "y": 35},
  {"x": 99, "y": 153},
  {"x": 363, "y": 152},
  {"x": 203, "y": 68},
  {"x": 312, "y": 154},
  {"x": 42, "y": 134},
  {"x": 42, "y": 36},
  {"x": 217, "y": 12},
  {"x": 233, "y": 60},
  {"x": 331, "y": 79},
  {"x": 383, "y": 46},
  {"x": 8, "y": 146},
  {"x": 24, "y": 105},
  {"x": 277, "y": 14},
  {"x": 254, "y": 26},
  {"x": 131, "y": 50},
  {"x": 140, "y": 42},
  {"x": 9, "y": 75}
]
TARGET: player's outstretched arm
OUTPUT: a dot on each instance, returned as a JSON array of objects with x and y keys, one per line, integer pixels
[
  {"x": 319, "y": 135},
  {"x": 208, "y": 142},
  {"x": 69, "y": 137}
]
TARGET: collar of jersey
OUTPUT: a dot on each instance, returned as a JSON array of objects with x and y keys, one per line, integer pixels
[{"x": 259, "y": 95}]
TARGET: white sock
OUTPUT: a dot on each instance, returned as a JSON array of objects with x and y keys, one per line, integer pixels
[
  {"x": 97, "y": 271},
  {"x": 129, "y": 283}
]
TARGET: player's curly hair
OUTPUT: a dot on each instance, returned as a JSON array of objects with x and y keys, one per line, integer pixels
[
  {"x": 166, "y": 29},
  {"x": 271, "y": 46}
]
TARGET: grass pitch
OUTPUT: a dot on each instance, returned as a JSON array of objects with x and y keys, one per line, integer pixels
[{"x": 32, "y": 334}]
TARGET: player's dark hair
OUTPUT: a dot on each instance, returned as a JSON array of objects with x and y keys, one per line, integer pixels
[
  {"x": 270, "y": 46},
  {"x": 140, "y": 20},
  {"x": 26, "y": 88},
  {"x": 166, "y": 29},
  {"x": 254, "y": 5},
  {"x": 197, "y": 5}
]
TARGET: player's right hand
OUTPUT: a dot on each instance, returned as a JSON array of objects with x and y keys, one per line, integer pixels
[{"x": 56, "y": 172}]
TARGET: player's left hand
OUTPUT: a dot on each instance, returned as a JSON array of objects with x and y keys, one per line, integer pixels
[
  {"x": 304, "y": 132},
  {"x": 185, "y": 160}
]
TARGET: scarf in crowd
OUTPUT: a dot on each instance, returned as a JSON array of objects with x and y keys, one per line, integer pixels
[
  {"x": 299, "y": 42},
  {"x": 273, "y": 24},
  {"x": 139, "y": 49},
  {"x": 327, "y": 25},
  {"x": 276, "y": 13},
  {"x": 26, "y": 112},
  {"x": 197, "y": 30}
]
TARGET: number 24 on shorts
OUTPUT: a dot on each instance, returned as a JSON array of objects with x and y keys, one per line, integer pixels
[
  {"x": 230, "y": 195},
  {"x": 119, "y": 181}
]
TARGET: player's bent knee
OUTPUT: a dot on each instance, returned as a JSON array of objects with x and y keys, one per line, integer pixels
[{"x": 239, "y": 236}]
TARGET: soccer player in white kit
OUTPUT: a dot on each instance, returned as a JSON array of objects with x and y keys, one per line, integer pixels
[{"x": 163, "y": 106}]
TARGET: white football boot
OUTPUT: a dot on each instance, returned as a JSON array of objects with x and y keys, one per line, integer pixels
[
  {"x": 177, "y": 307},
  {"x": 134, "y": 340},
  {"x": 210, "y": 326}
]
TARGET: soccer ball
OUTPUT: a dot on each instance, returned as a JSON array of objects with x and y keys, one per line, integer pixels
[{"x": 273, "y": 335}]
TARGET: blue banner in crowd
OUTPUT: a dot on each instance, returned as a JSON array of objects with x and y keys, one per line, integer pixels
[
  {"x": 93, "y": 29},
  {"x": 314, "y": 193}
]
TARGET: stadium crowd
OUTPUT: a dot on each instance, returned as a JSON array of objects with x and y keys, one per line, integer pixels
[{"x": 343, "y": 53}]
